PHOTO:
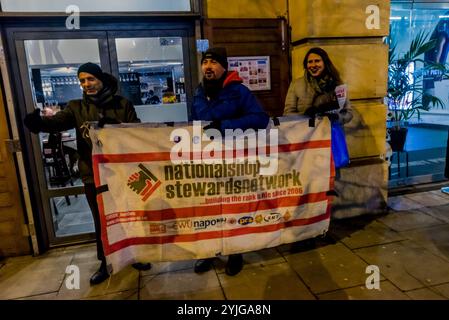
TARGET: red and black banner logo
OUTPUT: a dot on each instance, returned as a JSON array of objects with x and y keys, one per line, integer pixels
[{"x": 143, "y": 182}]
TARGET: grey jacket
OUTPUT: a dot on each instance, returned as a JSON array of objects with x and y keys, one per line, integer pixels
[{"x": 300, "y": 97}]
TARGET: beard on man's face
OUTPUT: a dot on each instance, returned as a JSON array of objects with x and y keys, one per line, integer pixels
[{"x": 210, "y": 74}]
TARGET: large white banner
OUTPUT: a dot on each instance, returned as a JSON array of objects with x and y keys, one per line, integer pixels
[{"x": 173, "y": 194}]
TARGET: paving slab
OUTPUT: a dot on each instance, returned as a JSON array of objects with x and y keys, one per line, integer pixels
[
  {"x": 181, "y": 285},
  {"x": 441, "y": 194},
  {"x": 164, "y": 267},
  {"x": 253, "y": 259},
  {"x": 45, "y": 296},
  {"x": 329, "y": 268},
  {"x": 270, "y": 282},
  {"x": 71, "y": 250},
  {"x": 443, "y": 289},
  {"x": 425, "y": 294},
  {"x": 439, "y": 212},
  {"x": 125, "y": 280},
  {"x": 306, "y": 245},
  {"x": 387, "y": 292},
  {"x": 123, "y": 295},
  {"x": 374, "y": 233},
  {"x": 407, "y": 266},
  {"x": 435, "y": 239},
  {"x": 401, "y": 203},
  {"x": 32, "y": 276},
  {"x": 408, "y": 220},
  {"x": 428, "y": 199}
]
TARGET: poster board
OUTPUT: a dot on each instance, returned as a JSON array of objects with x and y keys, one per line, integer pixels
[{"x": 255, "y": 71}]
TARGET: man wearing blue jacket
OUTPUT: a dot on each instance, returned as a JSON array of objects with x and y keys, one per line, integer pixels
[{"x": 224, "y": 100}]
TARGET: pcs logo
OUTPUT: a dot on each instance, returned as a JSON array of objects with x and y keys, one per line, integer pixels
[{"x": 245, "y": 220}]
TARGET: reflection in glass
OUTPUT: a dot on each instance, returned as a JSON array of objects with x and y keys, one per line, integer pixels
[
  {"x": 71, "y": 215},
  {"x": 427, "y": 136},
  {"x": 151, "y": 69},
  {"x": 54, "y": 75}
]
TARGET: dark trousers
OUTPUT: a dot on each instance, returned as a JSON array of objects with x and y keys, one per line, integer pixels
[{"x": 91, "y": 195}]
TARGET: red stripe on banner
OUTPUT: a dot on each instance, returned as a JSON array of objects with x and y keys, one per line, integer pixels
[
  {"x": 165, "y": 156},
  {"x": 238, "y": 208},
  {"x": 214, "y": 234},
  {"x": 331, "y": 180},
  {"x": 318, "y": 144}
]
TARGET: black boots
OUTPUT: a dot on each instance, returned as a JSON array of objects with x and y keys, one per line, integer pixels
[
  {"x": 101, "y": 275},
  {"x": 203, "y": 265},
  {"x": 142, "y": 266},
  {"x": 234, "y": 265}
]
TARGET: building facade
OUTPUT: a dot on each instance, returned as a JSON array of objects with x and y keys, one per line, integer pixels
[{"x": 154, "y": 53}]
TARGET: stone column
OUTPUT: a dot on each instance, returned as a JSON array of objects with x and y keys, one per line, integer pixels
[{"x": 352, "y": 32}]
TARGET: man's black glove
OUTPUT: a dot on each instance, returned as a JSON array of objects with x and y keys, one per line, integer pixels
[
  {"x": 216, "y": 124},
  {"x": 107, "y": 120},
  {"x": 326, "y": 102},
  {"x": 311, "y": 112},
  {"x": 33, "y": 121}
]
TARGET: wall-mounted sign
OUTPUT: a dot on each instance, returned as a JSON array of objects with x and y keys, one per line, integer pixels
[{"x": 255, "y": 71}]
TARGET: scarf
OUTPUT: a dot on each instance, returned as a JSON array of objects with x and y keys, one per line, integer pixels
[
  {"x": 106, "y": 95},
  {"x": 322, "y": 84}
]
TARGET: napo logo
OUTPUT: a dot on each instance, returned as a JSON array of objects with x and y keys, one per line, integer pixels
[
  {"x": 143, "y": 182},
  {"x": 196, "y": 224},
  {"x": 258, "y": 218},
  {"x": 245, "y": 220},
  {"x": 287, "y": 216}
]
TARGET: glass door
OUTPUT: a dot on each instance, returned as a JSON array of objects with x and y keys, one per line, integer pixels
[
  {"x": 151, "y": 68},
  {"x": 154, "y": 69},
  {"x": 423, "y": 157},
  {"x": 49, "y": 77}
]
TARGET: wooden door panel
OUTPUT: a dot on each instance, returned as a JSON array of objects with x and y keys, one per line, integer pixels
[
  {"x": 13, "y": 238},
  {"x": 256, "y": 37}
]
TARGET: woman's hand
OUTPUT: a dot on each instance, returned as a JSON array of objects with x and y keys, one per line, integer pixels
[
  {"x": 311, "y": 111},
  {"x": 326, "y": 102}
]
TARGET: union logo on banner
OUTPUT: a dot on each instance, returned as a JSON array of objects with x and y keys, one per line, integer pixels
[{"x": 143, "y": 182}]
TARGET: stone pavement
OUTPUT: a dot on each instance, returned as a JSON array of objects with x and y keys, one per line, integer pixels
[{"x": 409, "y": 245}]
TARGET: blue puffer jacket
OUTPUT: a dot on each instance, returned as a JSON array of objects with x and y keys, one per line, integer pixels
[{"x": 236, "y": 107}]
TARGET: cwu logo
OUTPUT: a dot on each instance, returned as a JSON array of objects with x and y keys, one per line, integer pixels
[{"x": 143, "y": 182}]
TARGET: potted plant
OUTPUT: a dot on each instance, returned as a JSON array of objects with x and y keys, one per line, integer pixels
[{"x": 406, "y": 96}]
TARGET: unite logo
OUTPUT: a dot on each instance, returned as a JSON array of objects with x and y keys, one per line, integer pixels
[
  {"x": 157, "y": 228},
  {"x": 143, "y": 182}
]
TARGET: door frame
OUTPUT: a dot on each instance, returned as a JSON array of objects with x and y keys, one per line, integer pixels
[{"x": 38, "y": 175}]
